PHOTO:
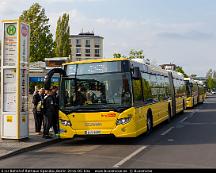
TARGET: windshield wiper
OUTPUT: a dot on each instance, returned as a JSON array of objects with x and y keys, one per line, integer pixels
[{"x": 97, "y": 107}]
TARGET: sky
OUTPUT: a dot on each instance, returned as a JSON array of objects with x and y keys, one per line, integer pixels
[{"x": 168, "y": 31}]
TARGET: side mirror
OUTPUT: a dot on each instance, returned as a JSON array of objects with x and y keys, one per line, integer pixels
[
  {"x": 136, "y": 73},
  {"x": 47, "y": 82}
]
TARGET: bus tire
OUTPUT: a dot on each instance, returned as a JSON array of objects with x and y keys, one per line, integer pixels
[
  {"x": 169, "y": 114},
  {"x": 193, "y": 103},
  {"x": 183, "y": 106},
  {"x": 149, "y": 123}
]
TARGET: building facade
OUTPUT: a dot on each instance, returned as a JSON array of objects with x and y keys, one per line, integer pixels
[{"x": 86, "y": 46}]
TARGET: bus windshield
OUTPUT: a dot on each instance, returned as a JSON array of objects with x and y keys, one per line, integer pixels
[{"x": 107, "y": 91}]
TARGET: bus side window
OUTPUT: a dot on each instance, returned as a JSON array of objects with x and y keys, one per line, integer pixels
[
  {"x": 138, "y": 98},
  {"x": 147, "y": 88}
]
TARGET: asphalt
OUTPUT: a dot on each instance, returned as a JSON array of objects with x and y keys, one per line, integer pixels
[
  {"x": 188, "y": 141},
  {"x": 10, "y": 147}
]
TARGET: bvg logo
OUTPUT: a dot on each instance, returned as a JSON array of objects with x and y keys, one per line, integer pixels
[{"x": 11, "y": 30}]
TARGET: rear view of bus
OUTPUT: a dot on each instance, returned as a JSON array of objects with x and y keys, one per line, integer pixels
[
  {"x": 192, "y": 92},
  {"x": 201, "y": 91}
]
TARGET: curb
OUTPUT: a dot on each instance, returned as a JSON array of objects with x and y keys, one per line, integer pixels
[{"x": 30, "y": 148}]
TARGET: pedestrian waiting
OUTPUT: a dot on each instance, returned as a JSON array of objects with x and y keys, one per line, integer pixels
[
  {"x": 55, "y": 123},
  {"x": 38, "y": 109},
  {"x": 49, "y": 113}
]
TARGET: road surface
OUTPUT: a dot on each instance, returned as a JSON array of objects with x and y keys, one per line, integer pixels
[{"x": 189, "y": 141}]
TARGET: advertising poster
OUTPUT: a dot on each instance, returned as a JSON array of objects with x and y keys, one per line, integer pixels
[
  {"x": 9, "y": 90},
  {"x": 24, "y": 44}
]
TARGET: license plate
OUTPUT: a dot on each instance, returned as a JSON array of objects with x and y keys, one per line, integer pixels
[{"x": 92, "y": 132}]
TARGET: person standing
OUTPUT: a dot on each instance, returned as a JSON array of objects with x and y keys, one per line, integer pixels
[
  {"x": 49, "y": 111},
  {"x": 38, "y": 109},
  {"x": 55, "y": 122}
]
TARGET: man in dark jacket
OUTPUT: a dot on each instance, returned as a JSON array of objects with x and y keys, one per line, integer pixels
[
  {"x": 56, "y": 103},
  {"x": 49, "y": 112},
  {"x": 38, "y": 109}
]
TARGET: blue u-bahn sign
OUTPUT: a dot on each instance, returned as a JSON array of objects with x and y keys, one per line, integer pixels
[{"x": 41, "y": 79}]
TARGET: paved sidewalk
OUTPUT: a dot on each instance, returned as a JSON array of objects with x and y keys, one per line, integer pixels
[{"x": 12, "y": 147}]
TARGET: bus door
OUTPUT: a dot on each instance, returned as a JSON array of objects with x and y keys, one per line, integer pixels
[{"x": 172, "y": 88}]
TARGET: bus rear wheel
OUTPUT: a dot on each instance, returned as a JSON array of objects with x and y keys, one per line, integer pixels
[
  {"x": 169, "y": 114},
  {"x": 149, "y": 123}
]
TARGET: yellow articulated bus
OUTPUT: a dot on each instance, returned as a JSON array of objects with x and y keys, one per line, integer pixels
[
  {"x": 192, "y": 92},
  {"x": 201, "y": 91},
  {"x": 119, "y": 97}
]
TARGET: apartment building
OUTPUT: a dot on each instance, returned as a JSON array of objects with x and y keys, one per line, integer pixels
[{"x": 86, "y": 46}]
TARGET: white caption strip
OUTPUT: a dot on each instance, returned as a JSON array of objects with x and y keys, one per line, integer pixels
[{"x": 129, "y": 157}]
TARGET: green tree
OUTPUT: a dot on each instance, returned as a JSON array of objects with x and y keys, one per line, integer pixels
[
  {"x": 209, "y": 73},
  {"x": 211, "y": 83},
  {"x": 132, "y": 54},
  {"x": 118, "y": 55},
  {"x": 180, "y": 70},
  {"x": 41, "y": 42},
  {"x": 62, "y": 42},
  {"x": 136, "y": 54}
]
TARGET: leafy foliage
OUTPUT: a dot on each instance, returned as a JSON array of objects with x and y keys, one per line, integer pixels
[
  {"x": 211, "y": 83},
  {"x": 41, "y": 42},
  {"x": 180, "y": 70},
  {"x": 62, "y": 42},
  {"x": 133, "y": 54},
  {"x": 118, "y": 55},
  {"x": 136, "y": 54}
]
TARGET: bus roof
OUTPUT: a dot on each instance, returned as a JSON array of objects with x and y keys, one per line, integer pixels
[{"x": 96, "y": 60}]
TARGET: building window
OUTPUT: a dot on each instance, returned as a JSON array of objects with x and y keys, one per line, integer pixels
[
  {"x": 78, "y": 59},
  {"x": 87, "y": 51},
  {"x": 97, "y": 43},
  {"x": 97, "y": 52},
  {"x": 87, "y": 43},
  {"x": 78, "y": 51},
  {"x": 78, "y": 43}
]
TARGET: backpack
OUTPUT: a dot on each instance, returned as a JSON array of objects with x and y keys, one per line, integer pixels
[{"x": 39, "y": 106}]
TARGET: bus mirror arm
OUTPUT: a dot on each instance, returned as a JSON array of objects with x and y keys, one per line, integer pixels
[
  {"x": 136, "y": 73},
  {"x": 47, "y": 78}
]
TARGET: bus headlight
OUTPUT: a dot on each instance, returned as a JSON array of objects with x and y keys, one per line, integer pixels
[
  {"x": 65, "y": 123},
  {"x": 123, "y": 120}
]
